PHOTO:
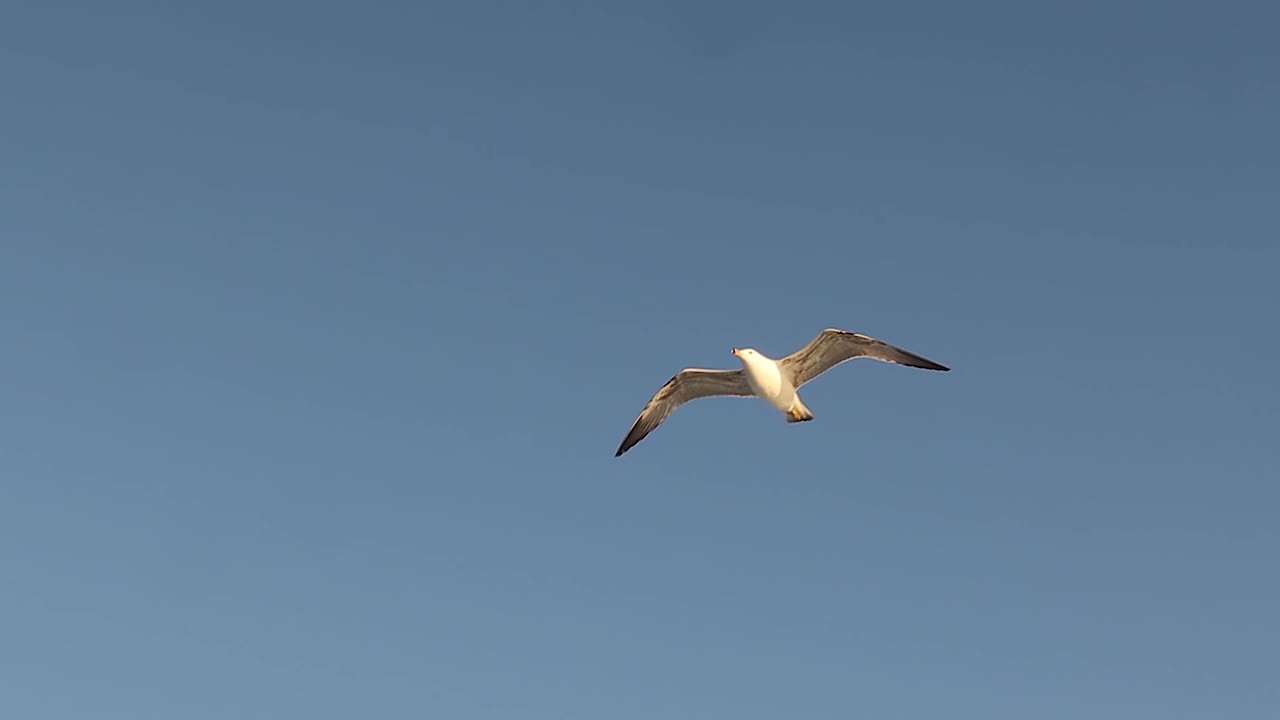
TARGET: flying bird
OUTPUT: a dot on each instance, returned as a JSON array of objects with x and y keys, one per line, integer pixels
[{"x": 774, "y": 381}]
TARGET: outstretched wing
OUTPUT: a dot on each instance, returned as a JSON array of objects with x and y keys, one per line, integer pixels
[
  {"x": 833, "y": 347},
  {"x": 688, "y": 384}
]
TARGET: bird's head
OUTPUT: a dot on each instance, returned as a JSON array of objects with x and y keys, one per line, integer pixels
[{"x": 745, "y": 354}]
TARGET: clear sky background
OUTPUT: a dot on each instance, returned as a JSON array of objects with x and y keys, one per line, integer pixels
[{"x": 322, "y": 321}]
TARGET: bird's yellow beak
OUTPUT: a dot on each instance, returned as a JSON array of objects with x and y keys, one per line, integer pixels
[{"x": 735, "y": 351}]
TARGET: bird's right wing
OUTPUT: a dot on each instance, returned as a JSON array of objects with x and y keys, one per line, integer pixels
[{"x": 688, "y": 384}]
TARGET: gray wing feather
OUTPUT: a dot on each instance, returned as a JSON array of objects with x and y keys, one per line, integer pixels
[
  {"x": 833, "y": 347},
  {"x": 688, "y": 384}
]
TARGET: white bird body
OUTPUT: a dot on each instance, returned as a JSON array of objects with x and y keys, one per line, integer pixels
[{"x": 770, "y": 384}]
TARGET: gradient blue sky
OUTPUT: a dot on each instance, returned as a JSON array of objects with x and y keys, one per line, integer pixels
[{"x": 322, "y": 321}]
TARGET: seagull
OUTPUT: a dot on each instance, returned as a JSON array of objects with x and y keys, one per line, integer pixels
[{"x": 774, "y": 381}]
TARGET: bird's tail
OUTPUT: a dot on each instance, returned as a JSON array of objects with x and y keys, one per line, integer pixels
[{"x": 798, "y": 413}]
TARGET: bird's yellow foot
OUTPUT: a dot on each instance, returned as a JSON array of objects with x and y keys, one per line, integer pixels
[{"x": 796, "y": 416}]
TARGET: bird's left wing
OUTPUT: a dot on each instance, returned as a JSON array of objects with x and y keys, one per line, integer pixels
[
  {"x": 688, "y": 384},
  {"x": 833, "y": 347}
]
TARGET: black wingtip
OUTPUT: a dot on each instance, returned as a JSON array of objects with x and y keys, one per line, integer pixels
[
  {"x": 921, "y": 362},
  {"x": 915, "y": 361}
]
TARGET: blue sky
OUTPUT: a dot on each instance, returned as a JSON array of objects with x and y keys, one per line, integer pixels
[{"x": 321, "y": 323}]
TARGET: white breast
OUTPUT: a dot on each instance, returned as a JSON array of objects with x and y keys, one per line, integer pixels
[{"x": 765, "y": 380}]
